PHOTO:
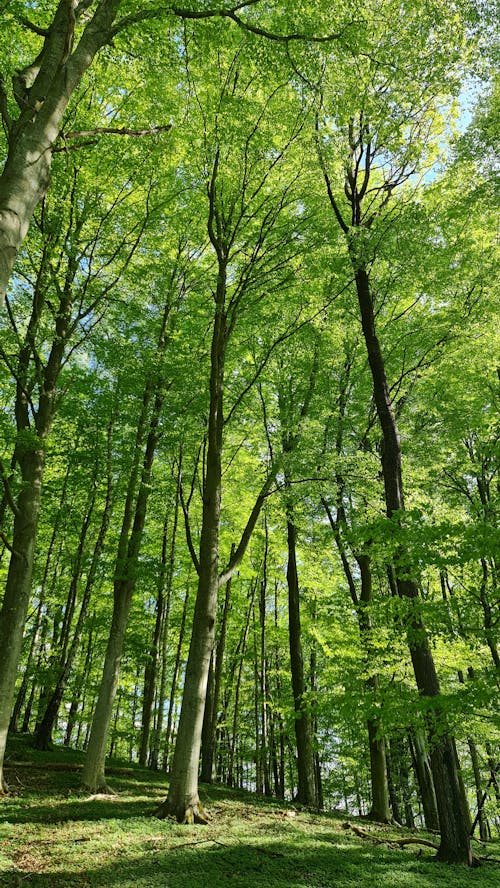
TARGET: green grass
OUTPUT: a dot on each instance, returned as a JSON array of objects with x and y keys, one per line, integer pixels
[{"x": 54, "y": 836}]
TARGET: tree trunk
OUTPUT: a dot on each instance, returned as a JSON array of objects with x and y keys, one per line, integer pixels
[
  {"x": 234, "y": 735},
  {"x": 42, "y": 92},
  {"x": 43, "y": 738},
  {"x": 93, "y": 777},
  {"x": 175, "y": 676},
  {"x": 306, "y": 788},
  {"x": 380, "y": 790},
  {"x": 27, "y": 675},
  {"x": 425, "y": 781},
  {"x": 18, "y": 587},
  {"x": 209, "y": 740},
  {"x": 165, "y": 578},
  {"x": 78, "y": 687},
  {"x": 454, "y": 818}
]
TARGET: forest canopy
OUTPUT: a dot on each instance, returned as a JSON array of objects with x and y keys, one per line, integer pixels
[{"x": 250, "y": 383}]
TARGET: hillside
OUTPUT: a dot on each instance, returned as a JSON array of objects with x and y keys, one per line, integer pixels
[{"x": 54, "y": 836}]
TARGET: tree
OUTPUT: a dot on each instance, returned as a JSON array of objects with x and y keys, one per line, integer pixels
[{"x": 367, "y": 196}]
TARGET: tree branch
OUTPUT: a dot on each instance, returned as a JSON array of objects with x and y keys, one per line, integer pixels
[
  {"x": 239, "y": 552},
  {"x": 117, "y": 131}
]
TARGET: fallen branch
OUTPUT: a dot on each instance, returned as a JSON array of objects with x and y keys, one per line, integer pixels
[{"x": 365, "y": 834}]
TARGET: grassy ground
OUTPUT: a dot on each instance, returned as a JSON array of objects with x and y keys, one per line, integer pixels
[{"x": 54, "y": 836}]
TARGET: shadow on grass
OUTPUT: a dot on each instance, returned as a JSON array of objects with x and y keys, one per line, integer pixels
[{"x": 198, "y": 863}]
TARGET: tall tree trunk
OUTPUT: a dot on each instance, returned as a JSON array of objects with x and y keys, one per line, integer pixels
[
  {"x": 78, "y": 687},
  {"x": 264, "y": 682},
  {"x": 62, "y": 666},
  {"x": 306, "y": 784},
  {"x": 380, "y": 809},
  {"x": 381, "y": 797},
  {"x": 183, "y": 799},
  {"x": 454, "y": 818},
  {"x": 151, "y": 677},
  {"x": 27, "y": 675}
]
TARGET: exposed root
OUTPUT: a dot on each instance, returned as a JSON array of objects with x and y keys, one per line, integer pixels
[{"x": 195, "y": 814}]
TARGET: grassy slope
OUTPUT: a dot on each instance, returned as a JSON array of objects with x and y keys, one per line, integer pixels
[{"x": 53, "y": 836}]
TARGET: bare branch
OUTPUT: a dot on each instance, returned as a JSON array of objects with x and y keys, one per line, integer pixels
[{"x": 117, "y": 131}]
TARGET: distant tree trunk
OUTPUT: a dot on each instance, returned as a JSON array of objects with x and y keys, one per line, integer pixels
[
  {"x": 207, "y": 740},
  {"x": 175, "y": 677},
  {"x": 259, "y": 740},
  {"x": 306, "y": 788},
  {"x": 264, "y": 683},
  {"x": 378, "y": 767},
  {"x": 78, "y": 687},
  {"x": 165, "y": 578},
  {"x": 423, "y": 773},
  {"x": 381, "y": 807},
  {"x": 93, "y": 777},
  {"x": 27, "y": 675},
  {"x": 43, "y": 738},
  {"x": 209, "y": 734},
  {"x": 237, "y": 688},
  {"x": 18, "y": 587},
  {"x": 64, "y": 659},
  {"x": 391, "y": 754},
  {"x": 151, "y": 676}
]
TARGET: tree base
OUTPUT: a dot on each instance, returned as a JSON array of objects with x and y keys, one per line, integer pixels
[
  {"x": 98, "y": 789},
  {"x": 192, "y": 814}
]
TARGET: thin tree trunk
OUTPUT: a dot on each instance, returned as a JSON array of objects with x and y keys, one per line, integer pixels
[
  {"x": 381, "y": 799},
  {"x": 27, "y": 675},
  {"x": 175, "y": 676},
  {"x": 77, "y": 691},
  {"x": 43, "y": 738},
  {"x": 209, "y": 733},
  {"x": 234, "y": 735},
  {"x": 306, "y": 788},
  {"x": 129, "y": 546},
  {"x": 423, "y": 773},
  {"x": 166, "y": 576}
]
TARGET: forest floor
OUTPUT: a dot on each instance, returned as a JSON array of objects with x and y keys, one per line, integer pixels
[{"x": 52, "y": 835}]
